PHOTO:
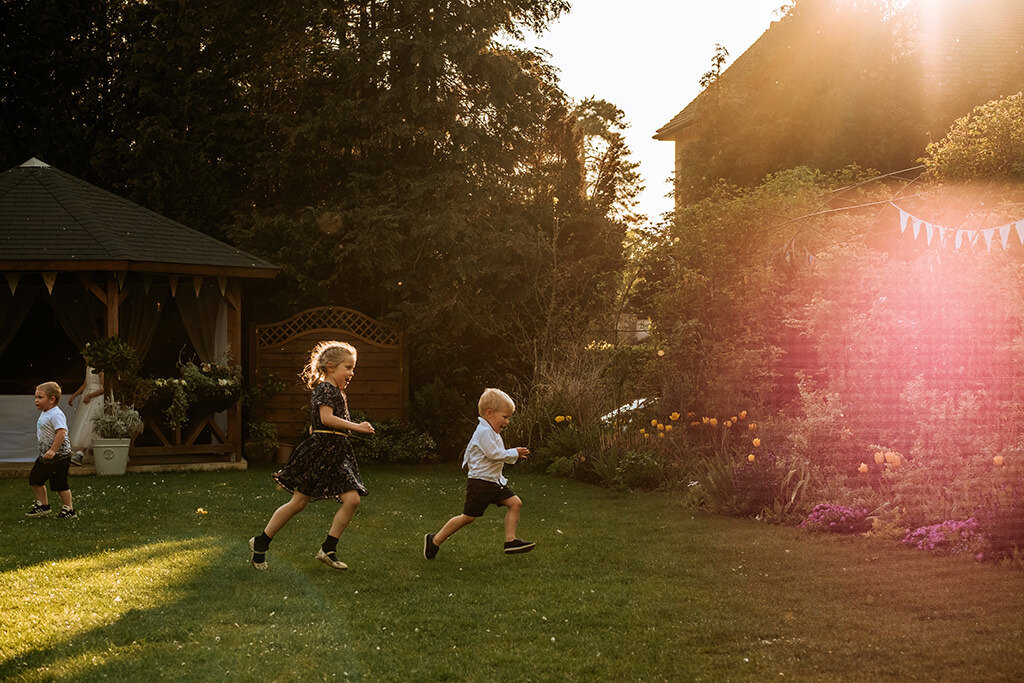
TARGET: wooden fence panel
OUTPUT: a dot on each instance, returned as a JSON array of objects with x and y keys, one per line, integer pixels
[{"x": 380, "y": 387}]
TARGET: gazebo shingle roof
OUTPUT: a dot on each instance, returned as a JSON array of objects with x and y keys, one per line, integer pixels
[{"x": 50, "y": 217}]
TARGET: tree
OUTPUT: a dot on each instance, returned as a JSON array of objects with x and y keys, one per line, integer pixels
[{"x": 987, "y": 144}]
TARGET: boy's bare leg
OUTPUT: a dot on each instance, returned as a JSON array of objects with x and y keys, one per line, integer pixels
[
  {"x": 514, "y": 505},
  {"x": 451, "y": 526},
  {"x": 40, "y": 493},
  {"x": 65, "y": 497}
]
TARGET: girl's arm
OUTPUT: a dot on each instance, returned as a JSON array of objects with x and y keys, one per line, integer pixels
[
  {"x": 329, "y": 419},
  {"x": 90, "y": 396},
  {"x": 72, "y": 397}
]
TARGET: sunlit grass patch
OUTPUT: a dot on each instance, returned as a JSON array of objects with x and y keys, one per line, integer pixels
[{"x": 60, "y": 599}]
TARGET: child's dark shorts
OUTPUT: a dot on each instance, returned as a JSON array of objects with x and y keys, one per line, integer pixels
[
  {"x": 56, "y": 470},
  {"x": 480, "y": 493}
]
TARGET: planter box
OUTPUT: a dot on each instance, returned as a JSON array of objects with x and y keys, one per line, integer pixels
[{"x": 111, "y": 455}]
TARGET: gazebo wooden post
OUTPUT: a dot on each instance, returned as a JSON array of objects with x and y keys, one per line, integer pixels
[{"x": 233, "y": 298}]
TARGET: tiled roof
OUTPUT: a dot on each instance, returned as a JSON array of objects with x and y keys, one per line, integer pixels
[{"x": 47, "y": 215}]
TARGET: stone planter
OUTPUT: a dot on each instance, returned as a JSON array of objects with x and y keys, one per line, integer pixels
[
  {"x": 284, "y": 453},
  {"x": 111, "y": 455}
]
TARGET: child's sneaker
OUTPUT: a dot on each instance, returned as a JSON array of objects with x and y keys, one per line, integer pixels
[
  {"x": 429, "y": 547},
  {"x": 330, "y": 559},
  {"x": 67, "y": 513},
  {"x": 38, "y": 510},
  {"x": 518, "y": 545},
  {"x": 259, "y": 560},
  {"x": 77, "y": 458}
]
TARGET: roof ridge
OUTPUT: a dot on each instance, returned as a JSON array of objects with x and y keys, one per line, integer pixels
[{"x": 71, "y": 214}]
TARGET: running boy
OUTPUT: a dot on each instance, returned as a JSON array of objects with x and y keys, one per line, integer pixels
[
  {"x": 54, "y": 453},
  {"x": 484, "y": 457}
]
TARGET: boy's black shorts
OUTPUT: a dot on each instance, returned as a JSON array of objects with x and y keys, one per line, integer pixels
[
  {"x": 55, "y": 470},
  {"x": 480, "y": 493}
]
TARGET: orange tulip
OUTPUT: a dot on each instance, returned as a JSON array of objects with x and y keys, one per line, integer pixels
[
  {"x": 743, "y": 415},
  {"x": 997, "y": 461},
  {"x": 863, "y": 469},
  {"x": 757, "y": 443},
  {"x": 713, "y": 422},
  {"x": 879, "y": 457},
  {"x": 750, "y": 458}
]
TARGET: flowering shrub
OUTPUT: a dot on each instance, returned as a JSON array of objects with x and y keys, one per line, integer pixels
[
  {"x": 837, "y": 519},
  {"x": 117, "y": 421},
  {"x": 954, "y": 536}
]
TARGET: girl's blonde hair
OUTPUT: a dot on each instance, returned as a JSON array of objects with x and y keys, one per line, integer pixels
[{"x": 324, "y": 355}]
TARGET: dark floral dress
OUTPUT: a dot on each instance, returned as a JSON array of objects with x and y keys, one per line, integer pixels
[{"x": 324, "y": 465}]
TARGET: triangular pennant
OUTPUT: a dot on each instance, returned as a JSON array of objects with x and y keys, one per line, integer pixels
[
  {"x": 928, "y": 231},
  {"x": 959, "y": 238},
  {"x": 988, "y": 235},
  {"x": 222, "y": 280},
  {"x": 12, "y": 281},
  {"x": 1004, "y": 235},
  {"x": 121, "y": 277},
  {"x": 197, "y": 283},
  {"x": 904, "y": 216},
  {"x": 173, "y": 281},
  {"x": 1020, "y": 230},
  {"x": 50, "y": 279},
  {"x": 917, "y": 228},
  {"x": 147, "y": 282}
]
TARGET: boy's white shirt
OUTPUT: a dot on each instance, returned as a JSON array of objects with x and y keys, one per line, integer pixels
[
  {"x": 486, "y": 454},
  {"x": 46, "y": 430}
]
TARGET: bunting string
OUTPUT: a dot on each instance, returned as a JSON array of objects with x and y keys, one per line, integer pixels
[{"x": 961, "y": 237}]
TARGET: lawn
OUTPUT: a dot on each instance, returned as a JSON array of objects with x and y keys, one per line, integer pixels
[{"x": 144, "y": 585}]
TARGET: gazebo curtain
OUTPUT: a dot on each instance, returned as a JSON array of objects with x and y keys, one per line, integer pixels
[
  {"x": 203, "y": 317},
  {"x": 78, "y": 312},
  {"x": 139, "y": 316},
  {"x": 13, "y": 309}
]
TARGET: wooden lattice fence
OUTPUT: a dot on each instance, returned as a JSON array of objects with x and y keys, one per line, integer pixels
[{"x": 380, "y": 387}]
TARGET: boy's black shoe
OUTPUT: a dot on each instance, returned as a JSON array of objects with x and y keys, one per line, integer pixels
[
  {"x": 67, "y": 513},
  {"x": 429, "y": 547},
  {"x": 518, "y": 545},
  {"x": 38, "y": 511}
]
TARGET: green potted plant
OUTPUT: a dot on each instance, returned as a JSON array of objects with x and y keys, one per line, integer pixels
[
  {"x": 114, "y": 430},
  {"x": 112, "y": 356}
]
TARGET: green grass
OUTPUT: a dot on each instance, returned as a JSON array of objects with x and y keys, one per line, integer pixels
[{"x": 620, "y": 587}]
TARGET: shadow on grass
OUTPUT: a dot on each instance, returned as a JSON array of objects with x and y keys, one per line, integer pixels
[{"x": 184, "y": 609}]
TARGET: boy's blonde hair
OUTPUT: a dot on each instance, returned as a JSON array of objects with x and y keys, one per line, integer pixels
[
  {"x": 322, "y": 356},
  {"x": 51, "y": 389},
  {"x": 495, "y": 399}
]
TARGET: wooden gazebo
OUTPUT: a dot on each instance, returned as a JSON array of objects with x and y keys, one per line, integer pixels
[{"x": 110, "y": 267}]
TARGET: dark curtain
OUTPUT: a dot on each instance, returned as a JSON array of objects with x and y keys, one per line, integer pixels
[
  {"x": 79, "y": 313},
  {"x": 140, "y": 314},
  {"x": 13, "y": 309},
  {"x": 199, "y": 314}
]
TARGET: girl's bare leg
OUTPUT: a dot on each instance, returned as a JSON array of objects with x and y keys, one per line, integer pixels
[
  {"x": 349, "y": 502},
  {"x": 284, "y": 513}
]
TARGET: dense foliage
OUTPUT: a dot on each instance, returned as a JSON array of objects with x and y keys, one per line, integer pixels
[{"x": 407, "y": 159}]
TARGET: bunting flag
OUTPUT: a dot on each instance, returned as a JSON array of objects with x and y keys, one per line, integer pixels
[
  {"x": 147, "y": 282},
  {"x": 50, "y": 279},
  {"x": 961, "y": 236},
  {"x": 222, "y": 280},
  {"x": 197, "y": 283},
  {"x": 173, "y": 280},
  {"x": 12, "y": 281}
]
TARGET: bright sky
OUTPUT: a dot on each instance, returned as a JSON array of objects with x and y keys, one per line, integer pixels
[{"x": 647, "y": 57}]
